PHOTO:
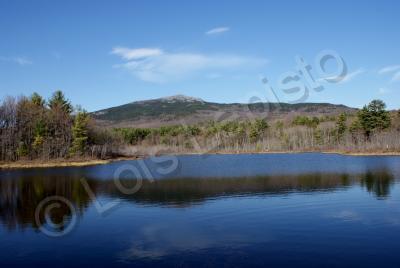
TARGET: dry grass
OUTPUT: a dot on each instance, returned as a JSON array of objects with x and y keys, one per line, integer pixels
[
  {"x": 53, "y": 163},
  {"x": 22, "y": 164}
]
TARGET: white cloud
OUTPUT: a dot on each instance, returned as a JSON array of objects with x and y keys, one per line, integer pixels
[
  {"x": 136, "y": 53},
  {"x": 164, "y": 67},
  {"x": 18, "y": 60},
  {"x": 383, "y": 91},
  {"x": 389, "y": 69},
  {"x": 343, "y": 79},
  {"x": 22, "y": 61},
  {"x": 395, "y": 69},
  {"x": 217, "y": 30},
  {"x": 396, "y": 77},
  {"x": 350, "y": 76}
]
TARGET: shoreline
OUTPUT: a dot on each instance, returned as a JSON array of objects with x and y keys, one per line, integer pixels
[{"x": 28, "y": 164}]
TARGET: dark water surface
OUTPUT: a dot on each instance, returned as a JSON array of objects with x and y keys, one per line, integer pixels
[{"x": 293, "y": 210}]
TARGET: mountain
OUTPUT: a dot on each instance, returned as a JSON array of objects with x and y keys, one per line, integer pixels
[{"x": 180, "y": 109}]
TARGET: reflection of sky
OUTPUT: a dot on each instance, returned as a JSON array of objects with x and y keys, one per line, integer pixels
[
  {"x": 238, "y": 222},
  {"x": 186, "y": 230},
  {"x": 232, "y": 166},
  {"x": 266, "y": 164},
  {"x": 160, "y": 240}
]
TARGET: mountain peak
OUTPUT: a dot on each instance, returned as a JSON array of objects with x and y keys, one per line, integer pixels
[
  {"x": 181, "y": 98},
  {"x": 170, "y": 110}
]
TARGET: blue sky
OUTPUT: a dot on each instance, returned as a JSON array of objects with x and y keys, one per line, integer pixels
[{"x": 106, "y": 53}]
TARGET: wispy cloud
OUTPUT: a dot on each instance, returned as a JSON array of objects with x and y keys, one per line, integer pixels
[
  {"x": 389, "y": 69},
  {"x": 396, "y": 77},
  {"x": 217, "y": 30},
  {"x": 383, "y": 91},
  {"x": 350, "y": 76},
  {"x": 136, "y": 53},
  {"x": 345, "y": 78},
  {"x": 155, "y": 65},
  {"x": 17, "y": 60},
  {"x": 394, "y": 70}
]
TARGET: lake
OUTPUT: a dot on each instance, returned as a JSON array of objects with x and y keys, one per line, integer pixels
[{"x": 247, "y": 210}]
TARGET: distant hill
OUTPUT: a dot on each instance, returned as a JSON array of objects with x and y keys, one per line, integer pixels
[{"x": 183, "y": 109}]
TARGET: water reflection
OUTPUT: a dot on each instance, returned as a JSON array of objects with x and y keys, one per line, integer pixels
[
  {"x": 20, "y": 196},
  {"x": 378, "y": 183},
  {"x": 191, "y": 191}
]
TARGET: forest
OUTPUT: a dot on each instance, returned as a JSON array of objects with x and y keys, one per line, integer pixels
[{"x": 35, "y": 128}]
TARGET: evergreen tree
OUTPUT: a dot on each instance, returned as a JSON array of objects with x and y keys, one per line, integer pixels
[
  {"x": 254, "y": 134},
  {"x": 257, "y": 129},
  {"x": 39, "y": 122},
  {"x": 398, "y": 120},
  {"x": 261, "y": 125},
  {"x": 341, "y": 125},
  {"x": 374, "y": 117},
  {"x": 58, "y": 101},
  {"x": 80, "y": 133},
  {"x": 37, "y": 100}
]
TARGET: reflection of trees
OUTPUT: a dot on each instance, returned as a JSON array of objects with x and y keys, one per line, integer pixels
[
  {"x": 187, "y": 191},
  {"x": 378, "y": 183},
  {"x": 19, "y": 197}
]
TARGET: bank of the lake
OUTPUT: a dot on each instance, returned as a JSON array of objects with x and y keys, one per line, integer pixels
[{"x": 23, "y": 164}]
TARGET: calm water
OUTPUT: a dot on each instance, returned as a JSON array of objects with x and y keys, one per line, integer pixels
[{"x": 300, "y": 210}]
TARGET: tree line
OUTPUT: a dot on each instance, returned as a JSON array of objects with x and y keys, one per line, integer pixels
[
  {"x": 35, "y": 128},
  {"x": 31, "y": 127},
  {"x": 371, "y": 129}
]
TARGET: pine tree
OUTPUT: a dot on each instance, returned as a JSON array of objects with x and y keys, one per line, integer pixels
[
  {"x": 374, "y": 117},
  {"x": 341, "y": 125},
  {"x": 39, "y": 122},
  {"x": 261, "y": 125},
  {"x": 257, "y": 129},
  {"x": 80, "y": 133},
  {"x": 59, "y": 101},
  {"x": 37, "y": 100}
]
